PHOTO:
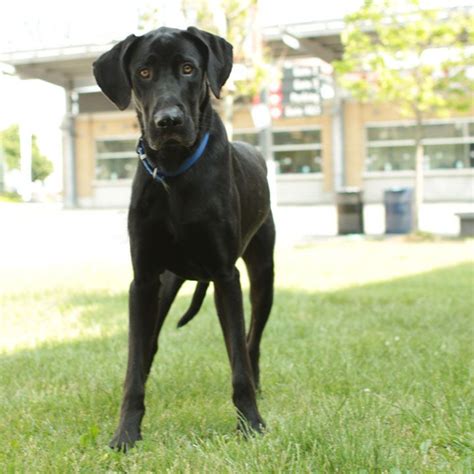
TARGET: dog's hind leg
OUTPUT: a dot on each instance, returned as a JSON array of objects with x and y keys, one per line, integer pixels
[
  {"x": 228, "y": 299},
  {"x": 170, "y": 285},
  {"x": 258, "y": 258}
]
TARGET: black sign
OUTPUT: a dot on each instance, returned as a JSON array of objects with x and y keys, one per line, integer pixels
[{"x": 301, "y": 95}]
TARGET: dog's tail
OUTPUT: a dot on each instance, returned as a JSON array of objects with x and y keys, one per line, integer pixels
[{"x": 196, "y": 303}]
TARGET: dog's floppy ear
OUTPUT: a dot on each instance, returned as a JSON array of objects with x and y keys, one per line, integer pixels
[
  {"x": 110, "y": 71},
  {"x": 218, "y": 55}
]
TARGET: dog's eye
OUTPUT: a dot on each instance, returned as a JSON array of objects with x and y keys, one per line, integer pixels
[
  {"x": 145, "y": 73},
  {"x": 187, "y": 69}
]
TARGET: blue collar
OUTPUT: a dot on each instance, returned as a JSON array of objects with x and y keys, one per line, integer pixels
[{"x": 185, "y": 165}]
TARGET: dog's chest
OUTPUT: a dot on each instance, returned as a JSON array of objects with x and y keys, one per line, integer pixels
[
  {"x": 194, "y": 249},
  {"x": 188, "y": 233}
]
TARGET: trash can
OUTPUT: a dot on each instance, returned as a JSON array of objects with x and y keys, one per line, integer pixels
[
  {"x": 350, "y": 217},
  {"x": 398, "y": 210},
  {"x": 466, "y": 220}
]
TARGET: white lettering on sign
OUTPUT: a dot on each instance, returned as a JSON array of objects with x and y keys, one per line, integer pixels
[
  {"x": 304, "y": 97},
  {"x": 295, "y": 111},
  {"x": 310, "y": 110},
  {"x": 292, "y": 112},
  {"x": 302, "y": 84},
  {"x": 300, "y": 71}
]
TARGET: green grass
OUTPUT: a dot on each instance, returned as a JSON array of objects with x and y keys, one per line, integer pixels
[
  {"x": 10, "y": 197},
  {"x": 369, "y": 378}
]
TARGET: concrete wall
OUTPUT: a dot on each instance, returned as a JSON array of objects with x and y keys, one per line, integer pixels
[
  {"x": 439, "y": 185},
  {"x": 294, "y": 189},
  {"x": 108, "y": 195}
]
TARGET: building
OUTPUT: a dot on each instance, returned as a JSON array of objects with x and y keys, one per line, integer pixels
[{"x": 318, "y": 146}]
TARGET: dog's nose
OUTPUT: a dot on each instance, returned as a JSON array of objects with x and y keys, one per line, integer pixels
[{"x": 169, "y": 117}]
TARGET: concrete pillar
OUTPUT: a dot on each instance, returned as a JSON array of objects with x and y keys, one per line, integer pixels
[
  {"x": 264, "y": 124},
  {"x": 25, "y": 160},
  {"x": 70, "y": 185},
  {"x": 339, "y": 179}
]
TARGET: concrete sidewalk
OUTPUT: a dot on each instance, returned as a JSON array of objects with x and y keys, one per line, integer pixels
[
  {"x": 302, "y": 222},
  {"x": 46, "y": 234},
  {"x": 45, "y": 245}
]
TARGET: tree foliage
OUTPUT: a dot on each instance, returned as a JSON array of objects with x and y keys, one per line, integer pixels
[
  {"x": 420, "y": 60},
  {"x": 41, "y": 167},
  {"x": 416, "y": 58},
  {"x": 10, "y": 143}
]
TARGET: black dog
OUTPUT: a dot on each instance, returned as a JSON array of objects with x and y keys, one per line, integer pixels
[{"x": 198, "y": 204}]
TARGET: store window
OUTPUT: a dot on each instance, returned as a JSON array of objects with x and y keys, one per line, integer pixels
[
  {"x": 115, "y": 159},
  {"x": 298, "y": 161},
  {"x": 250, "y": 137},
  {"x": 447, "y": 145},
  {"x": 296, "y": 137},
  {"x": 294, "y": 150},
  {"x": 297, "y": 151}
]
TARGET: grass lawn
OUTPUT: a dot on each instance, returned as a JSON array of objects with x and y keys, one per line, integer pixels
[{"x": 367, "y": 366}]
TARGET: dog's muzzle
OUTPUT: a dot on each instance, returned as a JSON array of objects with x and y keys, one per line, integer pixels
[{"x": 169, "y": 118}]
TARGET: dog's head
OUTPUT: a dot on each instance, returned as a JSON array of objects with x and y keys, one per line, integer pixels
[{"x": 168, "y": 71}]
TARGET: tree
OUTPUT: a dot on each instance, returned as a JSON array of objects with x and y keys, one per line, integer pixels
[
  {"x": 10, "y": 142},
  {"x": 417, "y": 59},
  {"x": 41, "y": 167}
]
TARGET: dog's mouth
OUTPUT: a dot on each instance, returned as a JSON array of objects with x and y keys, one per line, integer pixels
[
  {"x": 158, "y": 143},
  {"x": 159, "y": 140}
]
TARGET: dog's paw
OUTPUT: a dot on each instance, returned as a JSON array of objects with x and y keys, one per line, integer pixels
[
  {"x": 124, "y": 440},
  {"x": 249, "y": 428}
]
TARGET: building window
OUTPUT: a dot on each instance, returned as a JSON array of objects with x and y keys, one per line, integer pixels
[
  {"x": 294, "y": 150},
  {"x": 297, "y": 150},
  {"x": 247, "y": 136},
  {"x": 447, "y": 145},
  {"x": 298, "y": 161},
  {"x": 115, "y": 159}
]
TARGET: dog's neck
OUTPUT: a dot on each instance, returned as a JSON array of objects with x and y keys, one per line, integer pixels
[{"x": 169, "y": 158}]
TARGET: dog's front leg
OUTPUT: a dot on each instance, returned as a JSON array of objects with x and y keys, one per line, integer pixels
[
  {"x": 228, "y": 298},
  {"x": 144, "y": 325}
]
